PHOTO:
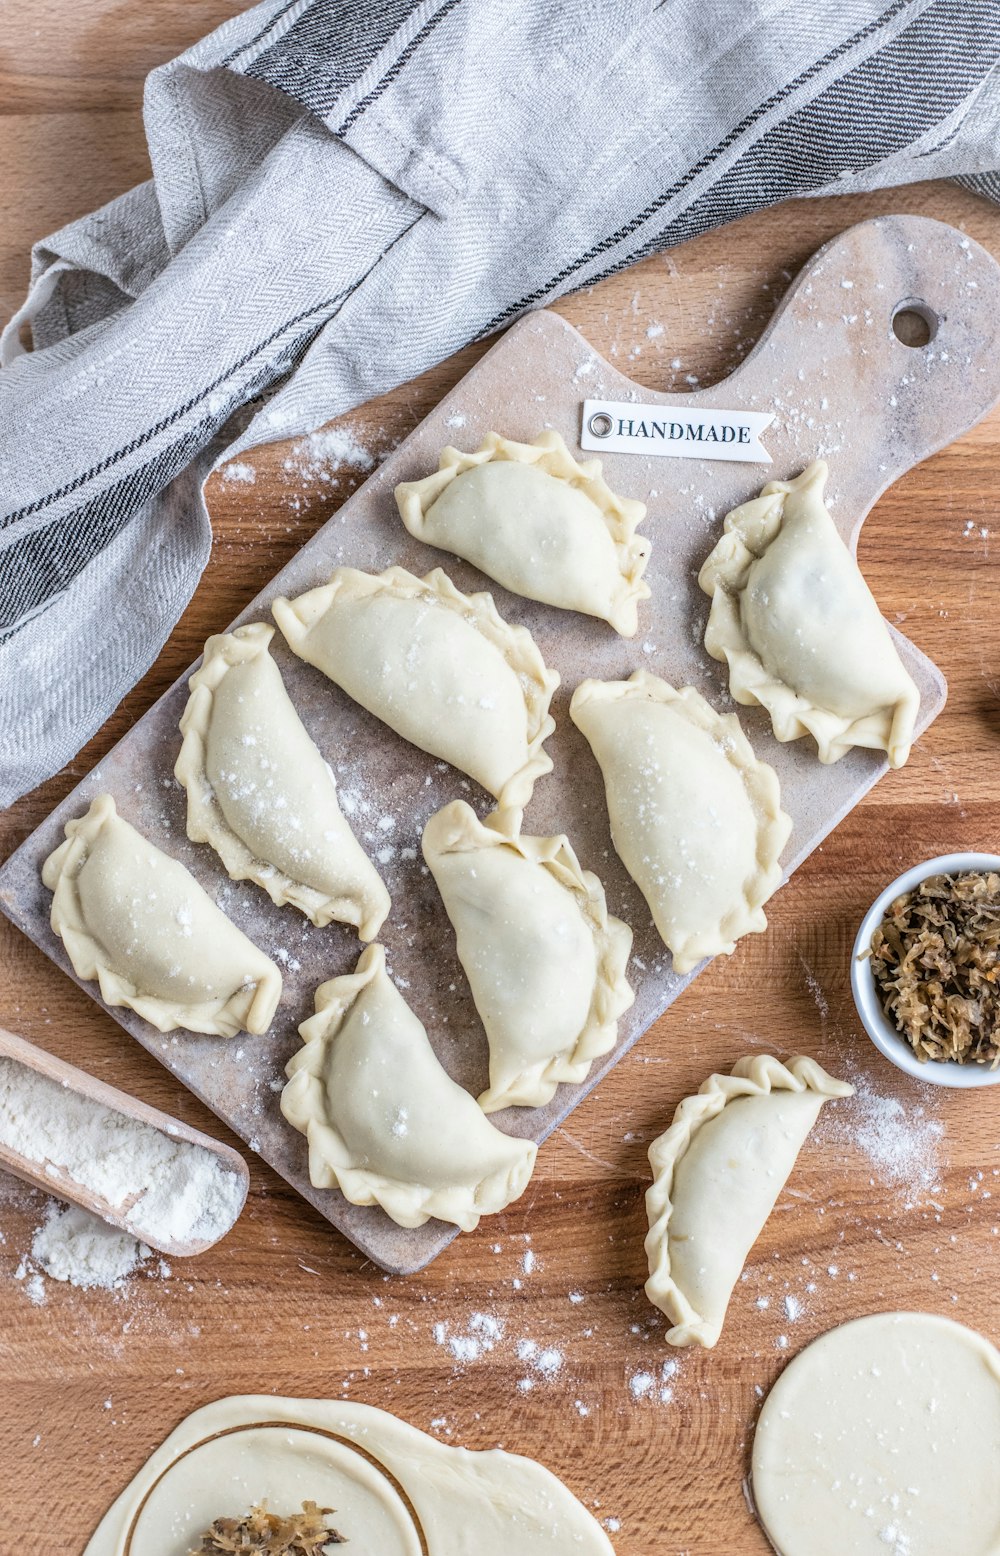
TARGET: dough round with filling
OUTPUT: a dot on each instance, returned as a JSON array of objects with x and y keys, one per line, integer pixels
[
  {"x": 393, "y": 1490},
  {"x": 385, "y": 1122},
  {"x": 881, "y": 1439},
  {"x": 696, "y": 819},
  {"x": 544, "y": 958},
  {"x": 138, "y": 922},
  {"x": 441, "y": 668},
  {"x": 540, "y": 523},
  {"x": 260, "y": 792},
  {"x": 717, "y": 1174},
  {"x": 799, "y": 629},
  {"x": 282, "y": 1467}
]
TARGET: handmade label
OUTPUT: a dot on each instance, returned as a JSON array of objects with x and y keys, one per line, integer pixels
[{"x": 625, "y": 427}]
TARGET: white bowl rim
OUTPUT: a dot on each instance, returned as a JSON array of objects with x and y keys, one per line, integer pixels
[{"x": 889, "y": 1042}]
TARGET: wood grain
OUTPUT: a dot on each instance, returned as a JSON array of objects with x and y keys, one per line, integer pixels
[{"x": 283, "y": 1304}]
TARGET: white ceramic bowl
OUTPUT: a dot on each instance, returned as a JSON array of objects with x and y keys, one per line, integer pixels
[{"x": 939, "y": 1072}]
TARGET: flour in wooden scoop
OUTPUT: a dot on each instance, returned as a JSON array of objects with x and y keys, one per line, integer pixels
[{"x": 166, "y": 1190}]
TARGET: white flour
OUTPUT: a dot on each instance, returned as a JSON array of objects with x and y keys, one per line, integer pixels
[
  {"x": 237, "y": 470},
  {"x": 168, "y": 1189},
  {"x": 647, "y": 1385},
  {"x": 72, "y": 1245},
  {"x": 901, "y": 1142},
  {"x": 336, "y": 446},
  {"x": 319, "y": 456}
]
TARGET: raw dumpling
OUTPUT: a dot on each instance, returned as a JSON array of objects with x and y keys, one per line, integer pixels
[
  {"x": 544, "y": 958},
  {"x": 439, "y": 667},
  {"x": 544, "y": 526},
  {"x": 385, "y": 1122},
  {"x": 138, "y": 922},
  {"x": 260, "y": 792},
  {"x": 796, "y": 623},
  {"x": 717, "y": 1173},
  {"x": 695, "y": 818}
]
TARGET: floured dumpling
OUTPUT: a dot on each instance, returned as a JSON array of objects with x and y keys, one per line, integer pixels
[
  {"x": 260, "y": 792},
  {"x": 695, "y": 818},
  {"x": 799, "y": 629},
  {"x": 546, "y": 527},
  {"x": 717, "y": 1173},
  {"x": 544, "y": 958},
  {"x": 385, "y": 1122},
  {"x": 138, "y": 922},
  {"x": 439, "y": 667}
]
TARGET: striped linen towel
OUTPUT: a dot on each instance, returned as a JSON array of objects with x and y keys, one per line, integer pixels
[{"x": 343, "y": 194}]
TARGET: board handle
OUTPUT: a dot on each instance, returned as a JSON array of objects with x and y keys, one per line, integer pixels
[{"x": 896, "y": 324}]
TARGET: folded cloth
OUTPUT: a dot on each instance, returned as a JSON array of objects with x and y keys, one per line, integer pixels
[{"x": 345, "y": 193}]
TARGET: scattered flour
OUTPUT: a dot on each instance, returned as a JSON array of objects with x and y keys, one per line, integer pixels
[
  {"x": 72, "y": 1245},
  {"x": 482, "y": 1333},
  {"x": 34, "y": 1286},
  {"x": 237, "y": 470},
  {"x": 901, "y": 1143},
  {"x": 646, "y": 1385},
  {"x": 641, "y": 1384},
  {"x": 815, "y": 989},
  {"x": 315, "y": 457},
  {"x": 549, "y": 1362}
]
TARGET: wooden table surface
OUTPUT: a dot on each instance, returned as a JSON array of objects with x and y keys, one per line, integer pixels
[{"x": 890, "y": 1203}]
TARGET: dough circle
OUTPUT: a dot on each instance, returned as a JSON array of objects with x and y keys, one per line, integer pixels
[
  {"x": 395, "y": 1491},
  {"x": 283, "y": 1466},
  {"x": 880, "y": 1439}
]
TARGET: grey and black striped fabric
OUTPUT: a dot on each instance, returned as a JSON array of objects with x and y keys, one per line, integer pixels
[{"x": 346, "y": 191}]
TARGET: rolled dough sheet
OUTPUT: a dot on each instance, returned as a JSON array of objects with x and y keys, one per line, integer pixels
[
  {"x": 882, "y": 1439},
  {"x": 393, "y": 1490}
]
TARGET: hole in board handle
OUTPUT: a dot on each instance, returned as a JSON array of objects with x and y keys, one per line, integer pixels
[{"x": 914, "y": 323}]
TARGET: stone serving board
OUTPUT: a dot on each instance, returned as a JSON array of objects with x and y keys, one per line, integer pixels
[{"x": 841, "y": 385}]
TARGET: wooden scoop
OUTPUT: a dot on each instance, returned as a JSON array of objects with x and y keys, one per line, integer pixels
[{"x": 53, "y": 1179}]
